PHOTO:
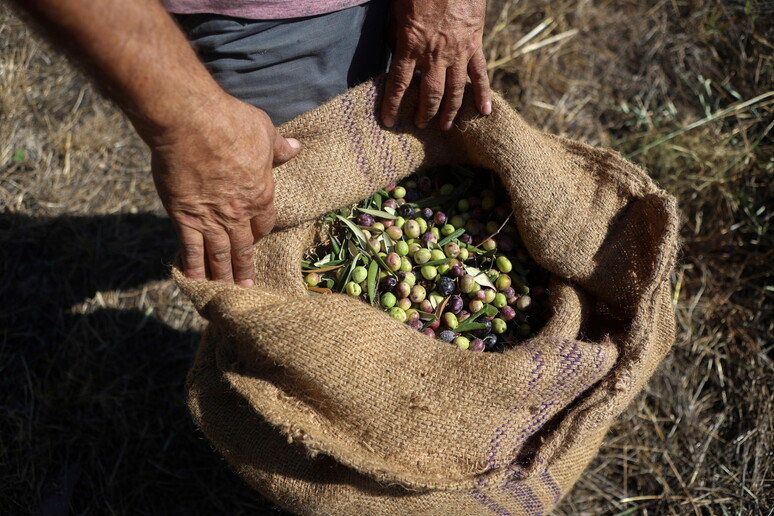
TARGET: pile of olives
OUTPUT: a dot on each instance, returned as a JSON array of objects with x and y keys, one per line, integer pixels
[{"x": 440, "y": 253}]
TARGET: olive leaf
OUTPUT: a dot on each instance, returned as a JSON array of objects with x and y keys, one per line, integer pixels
[
  {"x": 451, "y": 237},
  {"x": 378, "y": 213},
  {"x": 480, "y": 277},
  {"x": 373, "y": 273}
]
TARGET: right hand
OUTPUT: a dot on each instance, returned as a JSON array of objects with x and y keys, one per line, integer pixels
[{"x": 214, "y": 177}]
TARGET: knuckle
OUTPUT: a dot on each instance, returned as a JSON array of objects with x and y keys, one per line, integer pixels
[
  {"x": 192, "y": 252},
  {"x": 221, "y": 255}
]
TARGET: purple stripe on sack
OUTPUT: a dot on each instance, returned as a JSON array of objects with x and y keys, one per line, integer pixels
[
  {"x": 490, "y": 504},
  {"x": 494, "y": 444},
  {"x": 356, "y": 137},
  {"x": 569, "y": 366},
  {"x": 525, "y": 496},
  {"x": 552, "y": 486}
]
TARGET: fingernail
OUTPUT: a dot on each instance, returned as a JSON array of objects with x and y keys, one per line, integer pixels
[
  {"x": 389, "y": 121},
  {"x": 486, "y": 109},
  {"x": 421, "y": 125},
  {"x": 246, "y": 283},
  {"x": 447, "y": 126},
  {"x": 296, "y": 145}
]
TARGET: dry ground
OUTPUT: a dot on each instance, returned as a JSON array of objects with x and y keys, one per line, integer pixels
[{"x": 95, "y": 342}]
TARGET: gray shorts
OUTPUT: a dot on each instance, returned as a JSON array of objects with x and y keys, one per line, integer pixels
[{"x": 287, "y": 67}]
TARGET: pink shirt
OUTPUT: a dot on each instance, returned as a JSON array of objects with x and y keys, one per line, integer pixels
[{"x": 260, "y": 9}]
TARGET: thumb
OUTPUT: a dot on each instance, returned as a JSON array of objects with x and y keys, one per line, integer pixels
[{"x": 285, "y": 148}]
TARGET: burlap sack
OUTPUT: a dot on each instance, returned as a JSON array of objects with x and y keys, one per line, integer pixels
[{"x": 328, "y": 406}]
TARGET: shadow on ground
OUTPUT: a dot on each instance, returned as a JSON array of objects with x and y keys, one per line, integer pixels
[{"x": 93, "y": 400}]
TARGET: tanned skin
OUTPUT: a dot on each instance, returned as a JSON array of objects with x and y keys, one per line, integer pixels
[{"x": 212, "y": 154}]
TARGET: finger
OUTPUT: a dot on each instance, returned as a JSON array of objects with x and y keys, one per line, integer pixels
[
  {"x": 285, "y": 148},
  {"x": 192, "y": 252},
  {"x": 218, "y": 249},
  {"x": 398, "y": 80},
  {"x": 478, "y": 76},
  {"x": 430, "y": 95},
  {"x": 242, "y": 254},
  {"x": 452, "y": 96},
  {"x": 263, "y": 223}
]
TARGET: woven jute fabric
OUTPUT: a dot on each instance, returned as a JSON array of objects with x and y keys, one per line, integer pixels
[{"x": 328, "y": 406}]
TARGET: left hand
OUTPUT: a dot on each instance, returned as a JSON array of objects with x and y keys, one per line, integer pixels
[{"x": 442, "y": 39}]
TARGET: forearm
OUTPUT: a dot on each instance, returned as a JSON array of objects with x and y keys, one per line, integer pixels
[{"x": 136, "y": 52}]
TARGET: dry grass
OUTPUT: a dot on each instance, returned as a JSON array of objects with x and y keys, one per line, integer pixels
[{"x": 95, "y": 341}]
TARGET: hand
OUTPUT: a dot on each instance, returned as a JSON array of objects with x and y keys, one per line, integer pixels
[
  {"x": 442, "y": 39},
  {"x": 214, "y": 179}
]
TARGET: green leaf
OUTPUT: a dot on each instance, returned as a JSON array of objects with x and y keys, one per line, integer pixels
[
  {"x": 345, "y": 277},
  {"x": 324, "y": 260},
  {"x": 437, "y": 262},
  {"x": 473, "y": 249},
  {"x": 451, "y": 237},
  {"x": 377, "y": 200},
  {"x": 335, "y": 244},
  {"x": 377, "y": 213},
  {"x": 355, "y": 230},
  {"x": 480, "y": 277},
  {"x": 373, "y": 274},
  {"x": 19, "y": 156}
]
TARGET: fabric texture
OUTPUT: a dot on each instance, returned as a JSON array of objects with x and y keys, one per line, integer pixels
[
  {"x": 260, "y": 9},
  {"x": 289, "y": 67},
  {"x": 328, "y": 406}
]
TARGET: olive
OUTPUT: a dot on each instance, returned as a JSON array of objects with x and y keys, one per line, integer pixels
[
  {"x": 411, "y": 228},
  {"x": 477, "y": 345},
  {"x": 507, "y": 313},
  {"x": 394, "y": 232},
  {"x": 502, "y": 282},
  {"x": 445, "y": 286},
  {"x": 455, "y": 304},
  {"x": 397, "y": 313},
  {"x": 449, "y": 320},
  {"x": 418, "y": 294},
  {"x": 462, "y": 342},
  {"x": 353, "y": 289},
  {"x": 388, "y": 300},
  {"x": 422, "y": 256},
  {"x": 387, "y": 283},
  {"x": 312, "y": 279},
  {"x": 446, "y": 336}
]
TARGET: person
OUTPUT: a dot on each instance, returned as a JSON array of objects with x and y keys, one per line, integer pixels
[{"x": 212, "y": 153}]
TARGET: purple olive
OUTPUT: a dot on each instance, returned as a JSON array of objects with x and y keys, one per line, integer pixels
[
  {"x": 466, "y": 238},
  {"x": 406, "y": 211},
  {"x": 429, "y": 332},
  {"x": 440, "y": 218},
  {"x": 364, "y": 219},
  {"x": 426, "y": 213},
  {"x": 507, "y": 313},
  {"x": 446, "y": 335},
  {"x": 486, "y": 330},
  {"x": 457, "y": 271},
  {"x": 415, "y": 324},
  {"x": 387, "y": 284},
  {"x": 455, "y": 304},
  {"x": 477, "y": 345}
]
